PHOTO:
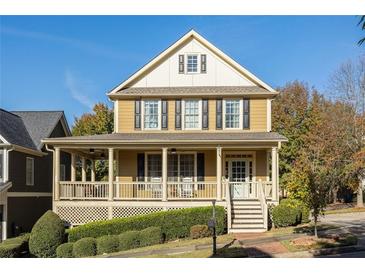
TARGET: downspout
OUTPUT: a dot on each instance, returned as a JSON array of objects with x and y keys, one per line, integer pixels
[{"x": 53, "y": 166}]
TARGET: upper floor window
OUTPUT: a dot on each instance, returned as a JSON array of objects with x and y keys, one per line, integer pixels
[
  {"x": 192, "y": 63},
  {"x": 29, "y": 170},
  {"x": 192, "y": 114},
  {"x": 151, "y": 114},
  {"x": 232, "y": 113}
]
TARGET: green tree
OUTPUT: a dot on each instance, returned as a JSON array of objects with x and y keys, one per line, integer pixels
[{"x": 100, "y": 121}]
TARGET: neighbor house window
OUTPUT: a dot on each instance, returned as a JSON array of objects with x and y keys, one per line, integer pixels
[
  {"x": 2, "y": 165},
  {"x": 151, "y": 113},
  {"x": 232, "y": 113},
  {"x": 192, "y": 114},
  {"x": 192, "y": 64},
  {"x": 154, "y": 167},
  {"x": 29, "y": 177}
]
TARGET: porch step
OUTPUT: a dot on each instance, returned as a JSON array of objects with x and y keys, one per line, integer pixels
[
  {"x": 246, "y": 206},
  {"x": 248, "y": 221},
  {"x": 247, "y": 226},
  {"x": 247, "y": 230},
  {"x": 247, "y": 211}
]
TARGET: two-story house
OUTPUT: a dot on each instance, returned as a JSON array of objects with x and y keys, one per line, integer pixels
[
  {"x": 26, "y": 168},
  {"x": 191, "y": 126}
]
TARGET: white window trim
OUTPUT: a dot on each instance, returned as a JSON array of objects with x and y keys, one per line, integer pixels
[
  {"x": 32, "y": 181},
  {"x": 159, "y": 115},
  {"x": 183, "y": 114},
  {"x": 240, "y": 126},
  {"x": 3, "y": 155},
  {"x": 198, "y": 62}
]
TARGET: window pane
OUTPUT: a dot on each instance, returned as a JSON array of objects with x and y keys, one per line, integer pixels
[
  {"x": 29, "y": 171},
  {"x": 154, "y": 166},
  {"x": 172, "y": 168},
  {"x": 186, "y": 166},
  {"x": 191, "y": 114},
  {"x": 192, "y": 63},
  {"x": 151, "y": 114},
  {"x": 232, "y": 119}
]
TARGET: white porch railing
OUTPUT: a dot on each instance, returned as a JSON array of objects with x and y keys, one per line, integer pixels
[
  {"x": 84, "y": 190},
  {"x": 137, "y": 191},
  {"x": 194, "y": 190}
]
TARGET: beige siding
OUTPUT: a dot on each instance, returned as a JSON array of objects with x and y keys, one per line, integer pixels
[
  {"x": 258, "y": 115},
  {"x": 127, "y": 165},
  {"x": 126, "y": 116},
  {"x": 210, "y": 165},
  {"x": 261, "y": 165}
]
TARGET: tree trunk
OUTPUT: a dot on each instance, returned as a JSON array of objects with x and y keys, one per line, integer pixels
[
  {"x": 315, "y": 227},
  {"x": 334, "y": 194},
  {"x": 360, "y": 202}
]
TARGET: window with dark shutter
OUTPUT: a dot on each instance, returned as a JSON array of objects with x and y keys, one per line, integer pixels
[
  {"x": 181, "y": 63},
  {"x": 140, "y": 167},
  {"x": 137, "y": 114},
  {"x": 164, "y": 111},
  {"x": 203, "y": 63},
  {"x": 205, "y": 115},
  {"x": 200, "y": 167},
  {"x": 246, "y": 113},
  {"x": 219, "y": 115},
  {"x": 178, "y": 114}
]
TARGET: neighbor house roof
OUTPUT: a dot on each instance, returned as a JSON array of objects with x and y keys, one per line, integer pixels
[
  {"x": 194, "y": 91},
  {"x": 163, "y": 138},
  {"x": 192, "y": 34},
  {"x": 28, "y": 128}
]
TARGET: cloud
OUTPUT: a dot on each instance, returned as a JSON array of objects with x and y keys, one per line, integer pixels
[
  {"x": 77, "y": 89},
  {"x": 76, "y": 43}
]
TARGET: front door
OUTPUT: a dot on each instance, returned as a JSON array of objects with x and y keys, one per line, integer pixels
[{"x": 238, "y": 176}]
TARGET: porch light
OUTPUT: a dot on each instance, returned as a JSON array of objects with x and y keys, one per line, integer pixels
[
  {"x": 92, "y": 150},
  {"x": 173, "y": 151},
  {"x": 102, "y": 155}
]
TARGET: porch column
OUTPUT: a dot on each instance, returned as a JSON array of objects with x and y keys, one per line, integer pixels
[
  {"x": 274, "y": 173},
  {"x": 110, "y": 168},
  {"x": 92, "y": 170},
  {"x": 219, "y": 173},
  {"x": 117, "y": 165},
  {"x": 73, "y": 167},
  {"x": 164, "y": 174},
  {"x": 57, "y": 174},
  {"x": 83, "y": 174}
]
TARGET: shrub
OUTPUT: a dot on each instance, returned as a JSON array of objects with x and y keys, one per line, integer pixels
[
  {"x": 107, "y": 244},
  {"x": 303, "y": 210},
  {"x": 150, "y": 236},
  {"x": 13, "y": 247},
  {"x": 64, "y": 250},
  {"x": 174, "y": 224},
  {"x": 85, "y": 247},
  {"x": 284, "y": 215},
  {"x": 128, "y": 240},
  {"x": 199, "y": 231},
  {"x": 47, "y": 234}
]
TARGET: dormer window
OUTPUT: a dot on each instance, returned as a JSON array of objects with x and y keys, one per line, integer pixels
[{"x": 192, "y": 63}]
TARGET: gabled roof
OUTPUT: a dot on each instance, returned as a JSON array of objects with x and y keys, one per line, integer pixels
[
  {"x": 28, "y": 128},
  {"x": 191, "y": 34}
]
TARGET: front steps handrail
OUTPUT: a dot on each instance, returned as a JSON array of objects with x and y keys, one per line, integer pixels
[
  {"x": 263, "y": 203},
  {"x": 229, "y": 205}
]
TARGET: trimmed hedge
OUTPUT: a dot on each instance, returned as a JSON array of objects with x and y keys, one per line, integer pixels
[
  {"x": 85, "y": 247},
  {"x": 150, "y": 236},
  {"x": 13, "y": 247},
  {"x": 199, "y": 231},
  {"x": 290, "y": 212},
  {"x": 47, "y": 234},
  {"x": 107, "y": 244},
  {"x": 174, "y": 224},
  {"x": 128, "y": 240},
  {"x": 64, "y": 250}
]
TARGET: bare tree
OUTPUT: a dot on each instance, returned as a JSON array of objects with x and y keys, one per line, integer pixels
[
  {"x": 362, "y": 25},
  {"x": 348, "y": 85}
]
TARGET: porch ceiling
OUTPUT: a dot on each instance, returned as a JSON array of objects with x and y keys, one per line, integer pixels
[{"x": 170, "y": 138}]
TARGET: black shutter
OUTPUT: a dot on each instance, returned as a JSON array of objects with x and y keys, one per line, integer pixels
[
  {"x": 246, "y": 113},
  {"x": 200, "y": 167},
  {"x": 203, "y": 63},
  {"x": 181, "y": 64},
  {"x": 205, "y": 115},
  {"x": 137, "y": 114},
  {"x": 140, "y": 167},
  {"x": 219, "y": 114},
  {"x": 178, "y": 114},
  {"x": 164, "y": 111}
]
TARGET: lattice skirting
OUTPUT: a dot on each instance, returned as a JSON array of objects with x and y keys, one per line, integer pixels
[{"x": 77, "y": 215}]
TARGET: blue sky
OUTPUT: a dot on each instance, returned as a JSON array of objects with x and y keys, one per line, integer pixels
[{"x": 69, "y": 62}]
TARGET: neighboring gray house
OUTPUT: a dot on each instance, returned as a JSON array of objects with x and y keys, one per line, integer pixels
[{"x": 26, "y": 167}]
